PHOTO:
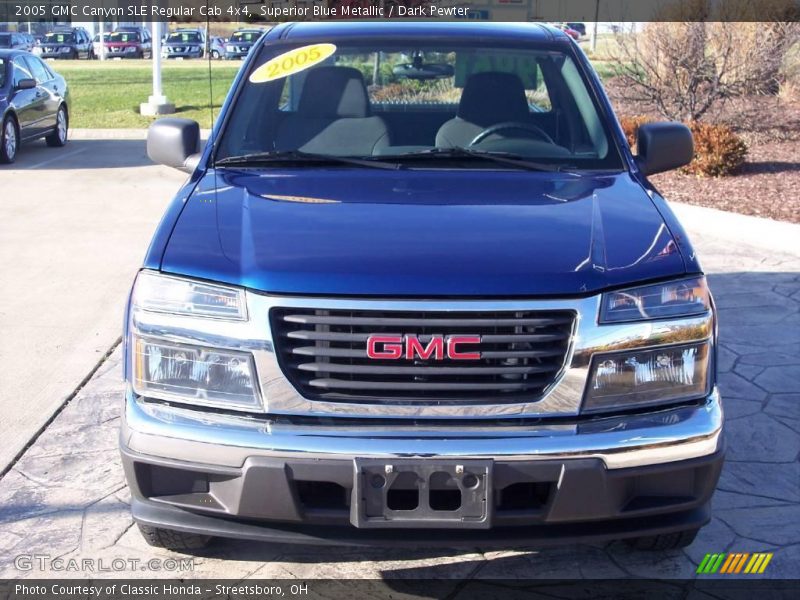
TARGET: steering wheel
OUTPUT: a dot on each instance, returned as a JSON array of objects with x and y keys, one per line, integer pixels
[{"x": 538, "y": 131}]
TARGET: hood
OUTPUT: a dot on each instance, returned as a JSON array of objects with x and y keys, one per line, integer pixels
[{"x": 420, "y": 233}]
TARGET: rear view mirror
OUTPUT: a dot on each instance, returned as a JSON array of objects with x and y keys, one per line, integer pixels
[
  {"x": 663, "y": 147},
  {"x": 26, "y": 84},
  {"x": 175, "y": 143}
]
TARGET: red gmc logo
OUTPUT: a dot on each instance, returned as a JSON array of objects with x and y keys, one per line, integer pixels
[{"x": 395, "y": 347}]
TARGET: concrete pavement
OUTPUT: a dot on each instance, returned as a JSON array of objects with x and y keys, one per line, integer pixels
[
  {"x": 74, "y": 225},
  {"x": 66, "y": 496}
]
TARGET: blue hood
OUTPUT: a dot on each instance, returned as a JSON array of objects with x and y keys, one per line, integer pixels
[{"x": 360, "y": 232}]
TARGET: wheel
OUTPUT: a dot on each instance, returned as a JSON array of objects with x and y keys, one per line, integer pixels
[
  {"x": 59, "y": 137},
  {"x": 173, "y": 540},
  {"x": 665, "y": 541},
  {"x": 9, "y": 140},
  {"x": 215, "y": 54}
]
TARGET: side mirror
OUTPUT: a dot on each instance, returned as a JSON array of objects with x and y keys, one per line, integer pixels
[
  {"x": 26, "y": 84},
  {"x": 663, "y": 147},
  {"x": 175, "y": 143}
]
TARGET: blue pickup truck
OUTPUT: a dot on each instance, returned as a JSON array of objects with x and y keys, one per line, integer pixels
[{"x": 417, "y": 289}]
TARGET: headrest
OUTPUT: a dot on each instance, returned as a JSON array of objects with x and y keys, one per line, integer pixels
[
  {"x": 334, "y": 92},
  {"x": 493, "y": 97}
]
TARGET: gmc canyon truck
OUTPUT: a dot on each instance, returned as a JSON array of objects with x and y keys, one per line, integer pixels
[{"x": 417, "y": 289}]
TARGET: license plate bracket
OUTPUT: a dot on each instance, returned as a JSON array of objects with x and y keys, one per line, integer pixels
[{"x": 405, "y": 493}]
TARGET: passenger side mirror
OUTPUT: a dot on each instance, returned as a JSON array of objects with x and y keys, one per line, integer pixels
[
  {"x": 175, "y": 143},
  {"x": 663, "y": 147},
  {"x": 26, "y": 84}
]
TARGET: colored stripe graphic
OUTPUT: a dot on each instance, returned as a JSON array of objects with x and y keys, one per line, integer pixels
[{"x": 735, "y": 562}]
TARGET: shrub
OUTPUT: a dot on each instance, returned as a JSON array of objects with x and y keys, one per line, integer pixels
[
  {"x": 685, "y": 68},
  {"x": 717, "y": 149},
  {"x": 630, "y": 125}
]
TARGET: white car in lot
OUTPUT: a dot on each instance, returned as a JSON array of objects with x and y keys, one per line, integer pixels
[{"x": 97, "y": 46}]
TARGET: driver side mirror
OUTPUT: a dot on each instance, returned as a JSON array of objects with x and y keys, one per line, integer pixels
[
  {"x": 663, "y": 147},
  {"x": 174, "y": 142},
  {"x": 25, "y": 84}
]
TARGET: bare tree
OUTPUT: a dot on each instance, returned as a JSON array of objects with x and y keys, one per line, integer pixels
[{"x": 683, "y": 69}]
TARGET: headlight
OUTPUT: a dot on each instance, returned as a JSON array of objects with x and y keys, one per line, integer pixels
[
  {"x": 230, "y": 48},
  {"x": 37, "y": 50},
  {"x": 194, "y": 375},
  {"x": 130, "y": 49},
  {"x": 164, "y": 293},
  {"x": 665, "y": 300},
  {"x": 646, "y": 377}
]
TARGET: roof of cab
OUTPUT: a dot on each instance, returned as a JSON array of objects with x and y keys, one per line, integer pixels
[{"x": 324, "y": 30}]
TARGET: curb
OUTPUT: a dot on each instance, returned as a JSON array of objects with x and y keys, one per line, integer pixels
[
  {"x": 117, "y": 134},
  {"x": 766, "y": 234}
]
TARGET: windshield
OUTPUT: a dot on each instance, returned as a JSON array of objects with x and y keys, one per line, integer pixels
[
  {"x": 420, "y": 103},
  {"x": 245, "y": 36},
  {"x": 59, "y": 38},
  {"x": 123, "y": 37},
  {"x": 184, "y": 37}
]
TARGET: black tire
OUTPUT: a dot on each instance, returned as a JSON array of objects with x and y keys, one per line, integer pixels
[
  {"x": 215, "y": 54},
  {"x": 8, "y": 152},
  {"x": 173, "y": 540},
  {"x": 666, "y": 541},
  {"x": 59, "y": 137}
]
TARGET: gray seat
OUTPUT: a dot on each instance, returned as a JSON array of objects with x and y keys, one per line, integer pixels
[
  {"x": 488, "y": 99},
  {"x": 333, "y": 116}
]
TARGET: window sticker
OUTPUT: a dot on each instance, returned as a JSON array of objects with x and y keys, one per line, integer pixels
[{"x": 292, "y": 62}]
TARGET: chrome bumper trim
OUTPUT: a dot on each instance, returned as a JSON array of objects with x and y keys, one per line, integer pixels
[{"x": 657, "y": 437}]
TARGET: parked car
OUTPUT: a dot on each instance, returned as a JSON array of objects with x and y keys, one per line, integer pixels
[
  {"x": 216, "y": 46},
  {"x": 239, "y": 44},
  {"x": 96, "y": 44},
  {"x": 72, "y": 42},
  {"x": 14, "y": 41},
  {"x": 471, "y": 321},
  {"x": 129, "y": 42},
  {"x": 34, "y": 103},
  {"x": 184, "y": 43},
  {"x": 579, "y": 27},
  {"x": 568, "y": 30}
]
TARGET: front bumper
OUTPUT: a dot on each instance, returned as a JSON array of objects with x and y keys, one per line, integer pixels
[
  {"x": 603, "y": 478},
  {"x": 183, "y": 54}
]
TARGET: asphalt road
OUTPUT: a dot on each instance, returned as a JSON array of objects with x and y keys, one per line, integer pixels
[{"x": 74, "y": 225}]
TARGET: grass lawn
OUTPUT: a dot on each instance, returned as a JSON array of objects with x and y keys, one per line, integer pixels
[{"x": 107, "y": 94}]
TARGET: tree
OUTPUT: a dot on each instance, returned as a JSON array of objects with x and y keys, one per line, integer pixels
[{"x": 683, "y": 69}]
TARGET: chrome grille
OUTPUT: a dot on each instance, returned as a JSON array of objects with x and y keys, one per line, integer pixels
[{"x": 323, "y": 353}]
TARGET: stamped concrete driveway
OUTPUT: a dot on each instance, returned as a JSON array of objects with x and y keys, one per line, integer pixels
[
  {"x": 74, "y": 224},
  {"x": 66, "y": 496}
]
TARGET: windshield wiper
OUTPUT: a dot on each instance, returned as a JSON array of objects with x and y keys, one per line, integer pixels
[
  {"x": 258, "y": 158},
  {"x": 500, "y": 157}
]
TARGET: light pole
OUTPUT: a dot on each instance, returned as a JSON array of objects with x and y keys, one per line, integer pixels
[{"x": 156, "y": 104}]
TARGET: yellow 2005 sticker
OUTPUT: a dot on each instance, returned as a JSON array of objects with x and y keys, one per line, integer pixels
[{"x": 292, "y": 62}]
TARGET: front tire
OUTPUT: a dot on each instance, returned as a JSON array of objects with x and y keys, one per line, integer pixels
[
  {"x": 665, "y": 541},
  {"x": 215, "y": 54},
  {"x": 173, "y": 540},
  {"x": 59, "y": 137},
  {"x": 9, "y": 140}
]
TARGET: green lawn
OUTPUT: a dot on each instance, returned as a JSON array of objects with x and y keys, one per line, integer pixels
[{"x": 107, "y": 94}]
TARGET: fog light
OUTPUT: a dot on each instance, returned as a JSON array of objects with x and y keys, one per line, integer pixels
[
  {"x": 647, "y": 377},
  {"x": 194, "y": 375}
]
